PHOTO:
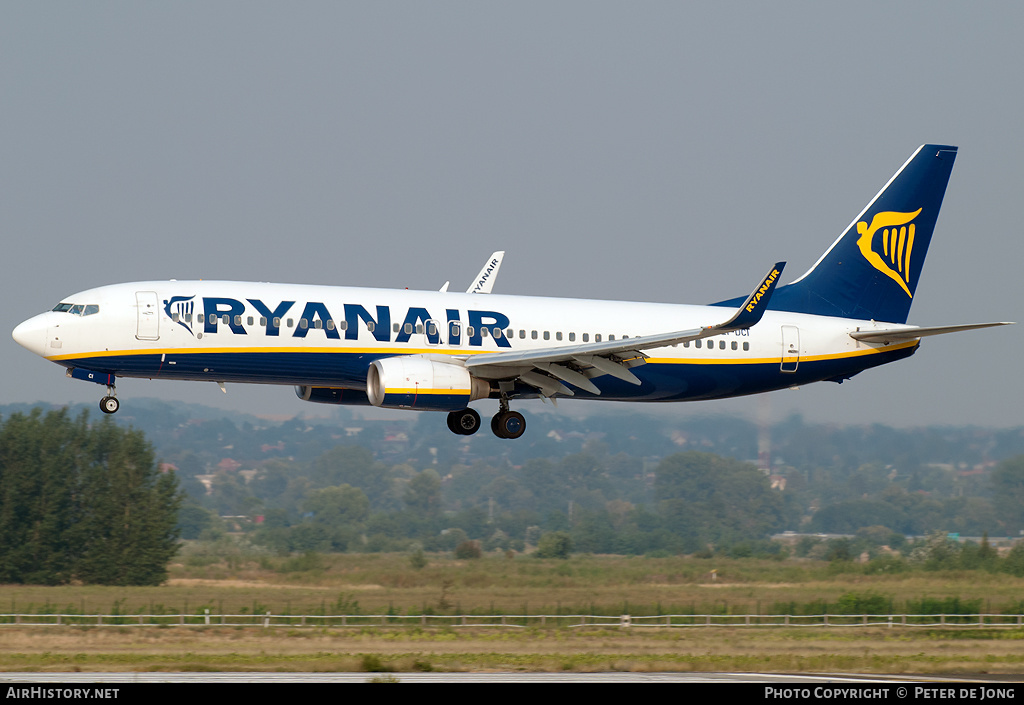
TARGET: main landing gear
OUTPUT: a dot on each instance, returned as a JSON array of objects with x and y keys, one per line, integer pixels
[
  {"x": 504, "y": 424},
  {"x": 109, "y": 404},
  {"x": 465, "y": 422},
  {"x": 507, "y": 423}
]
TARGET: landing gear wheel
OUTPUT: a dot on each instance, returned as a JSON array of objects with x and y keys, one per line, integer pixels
[
  {"x": 508, "y": 424},
  {"x": 465, "y": 422},
  {"x": 109, "y": 405}
]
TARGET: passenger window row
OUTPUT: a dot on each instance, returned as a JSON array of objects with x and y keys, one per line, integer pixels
[
  {"x": 455, "y": 328},
  {"x": 710, "y": 344},
  {"x": 318, "y": 324},
  {"x": 558, "y": 335}
]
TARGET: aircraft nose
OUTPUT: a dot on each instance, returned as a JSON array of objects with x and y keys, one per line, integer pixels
[{"x": 31, "y": 334}]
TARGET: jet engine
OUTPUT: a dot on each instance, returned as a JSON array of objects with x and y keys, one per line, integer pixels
[{"x": 414, "y": 382}]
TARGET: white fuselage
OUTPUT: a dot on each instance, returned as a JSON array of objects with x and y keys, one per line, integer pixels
[{"x": 327, "y": 336}]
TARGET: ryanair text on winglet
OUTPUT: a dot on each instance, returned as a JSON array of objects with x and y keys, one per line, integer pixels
[
  {"x": 762, "y": 290},
  {"x": 487, "y": 274}
]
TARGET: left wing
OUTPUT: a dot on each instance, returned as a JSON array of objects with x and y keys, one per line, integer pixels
[{"x": 547, "y": 368}]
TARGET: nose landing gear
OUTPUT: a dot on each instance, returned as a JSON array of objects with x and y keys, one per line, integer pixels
[{"x": 109, "y": 404}]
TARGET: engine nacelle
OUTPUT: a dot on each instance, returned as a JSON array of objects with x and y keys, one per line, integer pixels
[
  {"x": 413, "y": 382},
  {"x": 331, "y": 395}
]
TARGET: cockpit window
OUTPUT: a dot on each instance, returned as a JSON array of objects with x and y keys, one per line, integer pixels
[{"x": 77, "y": 309}]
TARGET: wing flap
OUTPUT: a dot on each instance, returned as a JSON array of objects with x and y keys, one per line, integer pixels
[
  {"x": 567, "y": 374},
  {"x": 548, "y": 386},
  {"x": 609, "y": 367}
]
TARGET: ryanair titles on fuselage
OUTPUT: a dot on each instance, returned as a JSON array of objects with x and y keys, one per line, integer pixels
[{"x": 217, "y": 312}]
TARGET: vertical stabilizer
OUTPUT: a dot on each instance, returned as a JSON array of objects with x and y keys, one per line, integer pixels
[{"x": 872, "y": 270}]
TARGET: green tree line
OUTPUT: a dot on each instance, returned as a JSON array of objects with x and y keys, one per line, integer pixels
[
  {"x": 82, "y": 501},
  {"x": 344, "y": 500},
  {"x": 692, "y": 502}
]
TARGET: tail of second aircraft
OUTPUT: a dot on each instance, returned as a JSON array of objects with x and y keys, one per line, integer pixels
[{"x": 871, "y": 271}]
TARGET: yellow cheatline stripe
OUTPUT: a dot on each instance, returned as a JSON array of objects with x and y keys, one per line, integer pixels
[
  {"x": 218, "y": 351},
  {"x": 696, "y": 360},
  {"x": 414, "y": 390},
  {"x": 778, "y": 359}
]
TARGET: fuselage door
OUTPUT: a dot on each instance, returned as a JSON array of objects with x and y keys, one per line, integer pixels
[
  {"x": 433, "y": 332},
  {"x": 149, "y": 315},
  {"x": 790, "y": 348}
]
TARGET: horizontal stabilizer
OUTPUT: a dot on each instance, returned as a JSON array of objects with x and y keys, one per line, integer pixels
[{"x": 895, "y": 335}]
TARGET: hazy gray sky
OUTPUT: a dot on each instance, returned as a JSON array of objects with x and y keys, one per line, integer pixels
[{"x": 640, "y": 151}]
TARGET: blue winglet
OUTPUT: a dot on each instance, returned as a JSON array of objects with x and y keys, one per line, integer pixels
[{"x": 756, "y": 304}]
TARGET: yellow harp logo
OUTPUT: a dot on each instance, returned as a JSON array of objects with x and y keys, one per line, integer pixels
[{"x": 897, "y": 244}]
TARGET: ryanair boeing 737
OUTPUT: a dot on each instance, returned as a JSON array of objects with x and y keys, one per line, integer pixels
[{"x": 441, "y": 350}]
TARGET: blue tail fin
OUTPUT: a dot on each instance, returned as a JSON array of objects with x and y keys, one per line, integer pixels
[{"x": 871, "y": 271}]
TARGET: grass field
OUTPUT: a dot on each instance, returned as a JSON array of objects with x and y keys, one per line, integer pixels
[{"x": 371, "y": 584}]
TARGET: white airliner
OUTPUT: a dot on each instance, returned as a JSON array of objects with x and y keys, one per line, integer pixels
[{"x": 441, "y": 350}]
